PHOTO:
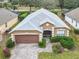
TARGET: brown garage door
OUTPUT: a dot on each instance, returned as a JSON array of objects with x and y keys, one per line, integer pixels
[{"x": 27, "y": 38}]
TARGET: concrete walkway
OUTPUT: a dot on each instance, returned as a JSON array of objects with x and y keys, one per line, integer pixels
[{"x": 29, "y": 51}]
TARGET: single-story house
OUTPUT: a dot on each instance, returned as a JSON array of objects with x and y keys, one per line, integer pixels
[
  {"x": 72, "y": 18},
  {"x": 7, "y": 20},
  {"x": 37, "y": 25}
]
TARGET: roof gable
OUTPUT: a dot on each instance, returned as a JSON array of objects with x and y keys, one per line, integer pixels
[{"x": 46, "y": 21}]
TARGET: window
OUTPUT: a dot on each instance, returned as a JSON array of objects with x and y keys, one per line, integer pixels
[{"x": 60, "y": 33}]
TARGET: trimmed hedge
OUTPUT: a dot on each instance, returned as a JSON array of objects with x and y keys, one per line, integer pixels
[
  {"x": 10, "y": 43},
  {"x": 42, "y": 44},
  {"x": 55, "y": 39},
  {"x": 66, "y": 42}
]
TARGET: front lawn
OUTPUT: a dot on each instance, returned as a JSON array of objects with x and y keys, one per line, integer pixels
[
  {"x": 65, "y": 55},
  {"x": 68, "y": 53},
  {"x": 1, "y": 54}
]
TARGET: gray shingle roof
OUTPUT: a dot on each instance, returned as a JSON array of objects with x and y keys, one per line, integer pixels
[
  {"x": 34, "y": 20},
  {"x": 6, "y": 15},
  {"x": 74, "y": 14}
]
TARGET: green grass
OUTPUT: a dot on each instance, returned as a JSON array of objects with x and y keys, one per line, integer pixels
[
  {"x": 65, "y": 55},
  {"x": 1, "y": 54},
  {"x": 22, "y": 15}
]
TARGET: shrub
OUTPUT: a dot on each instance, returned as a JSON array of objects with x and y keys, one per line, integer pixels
[
  {"x": 23, "y": 12},
  {"x": 22, "y": 15},
  {"x": 76, "y": 31},
  {"x": 6, "y": 52},
  {"x": 55, "y": 39},
  {"x": 57, "y": 48},
  {"x": 42, "y": 44},
  {"x": 10, "y": 43},
  {"x": 67, "y": 42}
]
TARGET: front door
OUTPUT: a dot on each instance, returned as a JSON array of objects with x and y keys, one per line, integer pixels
[{"x": 47, "y": 33}]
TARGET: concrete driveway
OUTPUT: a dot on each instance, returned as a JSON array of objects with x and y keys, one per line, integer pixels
[{"x": 29, "y": 51}]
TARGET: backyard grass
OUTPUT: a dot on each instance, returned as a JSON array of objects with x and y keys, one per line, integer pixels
[{"x": 65, "y": 55}]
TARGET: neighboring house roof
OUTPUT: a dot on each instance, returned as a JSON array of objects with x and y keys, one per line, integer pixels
[
  {"x": 6, "y": 15},
  {"x": 74, "y": 14},
  {"x": 37, "y": 18}
]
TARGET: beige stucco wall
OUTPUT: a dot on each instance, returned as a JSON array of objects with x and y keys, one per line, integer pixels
[
  {"x": 3, "y": 27},
  {"x": 54, "y": 29},
  {"x": 47, "y": 27},
  {"x": 68, "y": 32},
  {"x": 26, "y": 33},
  {"x": 50, "y": 27},
  {"x": 12, "y": 22}
]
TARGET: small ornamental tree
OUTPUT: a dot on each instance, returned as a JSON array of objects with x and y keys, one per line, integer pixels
[{"x": 6, "y": 52}]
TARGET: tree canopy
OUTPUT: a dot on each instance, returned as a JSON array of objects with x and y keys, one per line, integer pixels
[{"x": 48, "y": 3}]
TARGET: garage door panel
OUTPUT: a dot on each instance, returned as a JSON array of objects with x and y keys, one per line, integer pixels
[{"x": 27, "y": 38}]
